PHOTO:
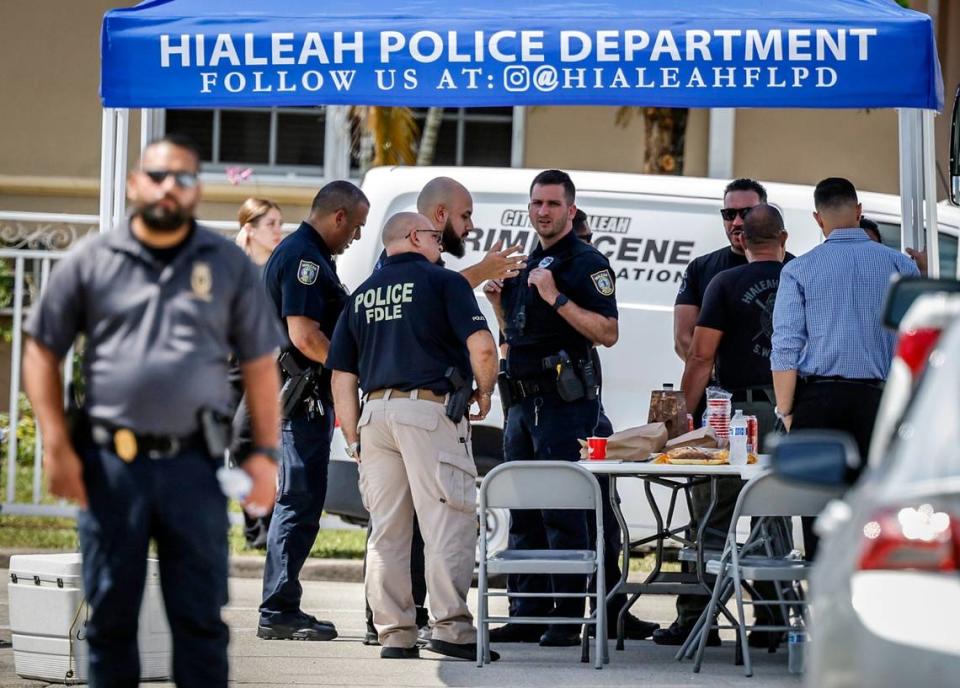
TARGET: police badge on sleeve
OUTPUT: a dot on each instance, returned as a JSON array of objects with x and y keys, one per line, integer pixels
[
  {"x": 307, "y": 272},
  {"x": 603, "y": 281}
]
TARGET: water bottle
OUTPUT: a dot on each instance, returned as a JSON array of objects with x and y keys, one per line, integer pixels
[
  {"x": 796, "y": 647},
  {"x": 738, "y": 439},
  {"x": 234, "y": 483}
]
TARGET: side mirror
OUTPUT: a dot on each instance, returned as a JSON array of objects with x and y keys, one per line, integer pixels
[
  {"x": 816, "y": 457},
  {"x": 955, "y": 152},
  {"x": 903, "y": 291}
]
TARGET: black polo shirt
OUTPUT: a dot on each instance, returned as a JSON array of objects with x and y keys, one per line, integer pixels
[
  {"x": 739, "y": 302},
  {"x": 533, "y": 329},
  {"x": 405, "y": 325},
  {"x": 301, "y": 280}
]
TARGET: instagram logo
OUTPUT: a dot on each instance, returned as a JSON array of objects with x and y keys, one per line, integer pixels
[{"x": 516, "y": 78}]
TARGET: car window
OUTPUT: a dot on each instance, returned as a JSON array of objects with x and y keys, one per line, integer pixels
[{"x": 890, "y": 236}]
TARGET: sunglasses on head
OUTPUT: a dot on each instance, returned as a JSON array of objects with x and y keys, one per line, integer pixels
[
  {"x": 185, "y": 180},
  {"x": 729, "y": 214}
]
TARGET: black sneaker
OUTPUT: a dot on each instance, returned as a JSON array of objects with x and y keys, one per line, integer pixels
[
  {"x": 676, "y": 635},
  {"x": 400, "y": 652},
  {"x": 517, "y": 633},
  {"x": 466, "y": 651},
  {"x": 560, "y": 636},
  {"x": 371, "y": 638},
  {"x": 633, "y": 628},
  {"x": 306, "y": 629}
]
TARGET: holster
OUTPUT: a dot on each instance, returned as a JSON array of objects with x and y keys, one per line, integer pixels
[
  {"x": 458, "y": 401},
  {"x": 569, "y": 385},
  {"x": 298, "y": 385},
  {"x": 505, "y": 388},
  {"x": 216, "y": 429}
]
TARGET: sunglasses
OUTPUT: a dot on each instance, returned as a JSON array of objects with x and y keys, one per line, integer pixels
[
  {"x": 185, "y": 180},
  {"x": 438, "y": 234},
  {"x": 729, "y": 214}
]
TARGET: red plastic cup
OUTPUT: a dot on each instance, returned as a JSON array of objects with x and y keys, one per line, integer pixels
[{"x": 597, "y": 448}]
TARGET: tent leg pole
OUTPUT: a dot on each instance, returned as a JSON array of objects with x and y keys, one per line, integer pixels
[
  {"x": 930, "y": 193},
  {"x": 911, "y": 181},
  {"x": 120, "y": 167},
  {"x": 107, "y": 143}
]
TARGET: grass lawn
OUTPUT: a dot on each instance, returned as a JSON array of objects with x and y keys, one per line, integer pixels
[{"x": 36, "y": 532}]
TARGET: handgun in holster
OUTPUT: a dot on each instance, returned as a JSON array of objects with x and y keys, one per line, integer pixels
[
  {"x": 299, "y": 383},
  {"x": 504, "y": 387},
  {"x": 459, "y": 400},
  {"x": 569, "y": 385},
  {"x": 217, "y": 431},
  {"x": 78, "y": 422}
]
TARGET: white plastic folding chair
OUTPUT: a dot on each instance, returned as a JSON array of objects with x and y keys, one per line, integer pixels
[
  {"x": 764, "y": 497},
  {"x": 542, "y": 485}
]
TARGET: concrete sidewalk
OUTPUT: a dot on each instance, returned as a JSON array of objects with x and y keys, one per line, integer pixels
[{"x": 346, "y": 662}]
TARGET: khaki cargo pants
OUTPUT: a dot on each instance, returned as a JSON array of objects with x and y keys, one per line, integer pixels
[{"x": 414, "y": 458}]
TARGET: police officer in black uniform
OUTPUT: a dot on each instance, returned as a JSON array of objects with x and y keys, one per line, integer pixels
[
  {"x": 162, "y": 303},
  {"x": 553, "y": 315},
  {"x": 301, "y": 280}
]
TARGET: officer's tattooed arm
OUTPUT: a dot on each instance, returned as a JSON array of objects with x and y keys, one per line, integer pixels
[
  {"x": 483, "y": 361},
  {"x": 346, "y": 401}
]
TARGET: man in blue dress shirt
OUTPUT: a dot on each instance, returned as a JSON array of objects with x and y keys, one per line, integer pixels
[{"x": 831, "y": 354}]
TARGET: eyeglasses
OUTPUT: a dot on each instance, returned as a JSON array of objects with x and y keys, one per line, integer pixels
[
  {"x": 729, "y": 214},
  {"x": 436, "y": 232},
  {"x": 185, "y": 180}
]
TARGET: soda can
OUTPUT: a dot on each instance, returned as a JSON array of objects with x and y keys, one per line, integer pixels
[
  {"x": 689, "y": 422},
  {"x": 753, "y": 435}
]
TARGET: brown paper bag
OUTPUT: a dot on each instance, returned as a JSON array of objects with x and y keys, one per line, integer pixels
[
  {"x": 669, "y": 406},
  {"x": 704, "y": 438},
  {"x": 634, "y": 444}
]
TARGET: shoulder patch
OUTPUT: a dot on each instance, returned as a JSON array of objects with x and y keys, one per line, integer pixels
[
  {"x": 603, "y": 282},
  {"x": 307, "y": 272}
]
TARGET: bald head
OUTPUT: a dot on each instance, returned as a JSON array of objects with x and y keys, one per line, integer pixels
[
  {"x": 399, "y": 226},
  {"x": 764, "y": 236},
  {"x": 440, "y": 191}
]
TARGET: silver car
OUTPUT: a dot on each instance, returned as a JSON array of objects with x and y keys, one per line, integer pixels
[{"x": 885, "y": 590}]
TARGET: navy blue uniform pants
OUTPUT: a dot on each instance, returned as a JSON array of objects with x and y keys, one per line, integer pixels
[
  {"x": 548, "y": 429},
  {"x": 178, "y": 503},
  {"x": 305, "y": 455}
]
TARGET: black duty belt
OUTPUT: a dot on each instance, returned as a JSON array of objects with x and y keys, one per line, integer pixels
[
  {"x": 823, "y": 379},
  {"x": 128, "y": 445},
  {"x": 533, "y": 387}
]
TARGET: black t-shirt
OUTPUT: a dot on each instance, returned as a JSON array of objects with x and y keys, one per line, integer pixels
[
  {"x": 405, "y": 325},
  {"x": 701, "y": 270},
  {"x": 739, "y": 302},
  {"x": 167, "y": 254}
]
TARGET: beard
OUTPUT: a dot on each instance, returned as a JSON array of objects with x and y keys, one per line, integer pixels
[
  {"x": 161, "y": 218},
  {"x": 452, "y": 242}
]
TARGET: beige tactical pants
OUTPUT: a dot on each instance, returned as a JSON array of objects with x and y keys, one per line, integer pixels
[{"x": 414, "y": 458}]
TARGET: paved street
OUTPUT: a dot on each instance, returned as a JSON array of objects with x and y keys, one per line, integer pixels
[{"x": 346, "y": 662}]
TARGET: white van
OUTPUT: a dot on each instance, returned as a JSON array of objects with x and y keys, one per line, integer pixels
[{"x": 649, "y": 227}]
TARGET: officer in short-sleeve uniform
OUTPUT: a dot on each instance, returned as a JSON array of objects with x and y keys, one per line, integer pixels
[
  {"x": 159, "y": 326},
  {"x": 301, "y": 280},
  {"x": 540, "y": 424},
  {"x": 401, "y": 331}
]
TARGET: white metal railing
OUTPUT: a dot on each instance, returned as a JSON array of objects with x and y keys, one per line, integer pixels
[{"x": 30, "y": 244}]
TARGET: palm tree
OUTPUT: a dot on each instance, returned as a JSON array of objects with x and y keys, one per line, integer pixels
[
  {"x": 664, "y": 134},
  {"x": 384, "y": 136}
]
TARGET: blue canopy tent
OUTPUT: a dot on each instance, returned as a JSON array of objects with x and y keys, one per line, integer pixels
[{"x": 665, "y": 53}]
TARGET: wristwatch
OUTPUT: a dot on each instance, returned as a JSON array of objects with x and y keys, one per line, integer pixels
[
  {"x": 780, "y": 416},
  {"x": 271, "y": 453},
  {"x": 560, "y": 302},
  {"x": 353, "y": 450}
]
